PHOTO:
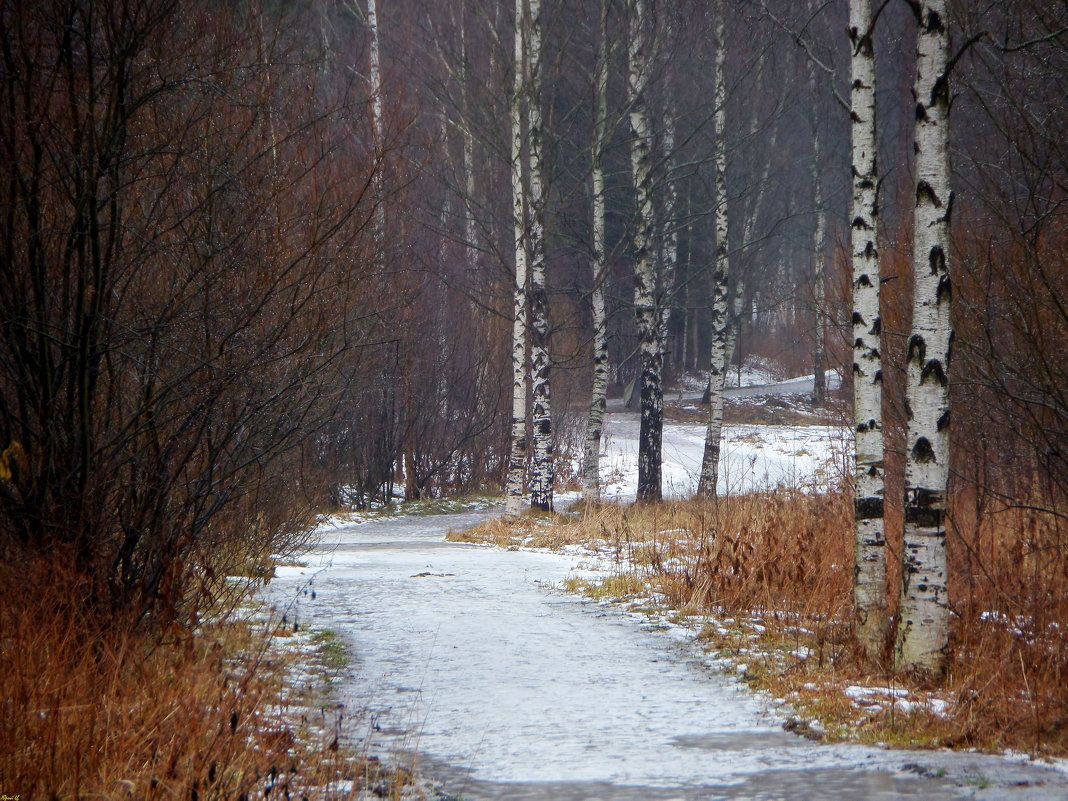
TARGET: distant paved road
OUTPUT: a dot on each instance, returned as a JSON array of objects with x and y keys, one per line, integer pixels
[{"x": 802, "y": 386}]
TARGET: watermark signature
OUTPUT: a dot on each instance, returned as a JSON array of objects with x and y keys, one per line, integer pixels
[{"x": 6, "y": 797}]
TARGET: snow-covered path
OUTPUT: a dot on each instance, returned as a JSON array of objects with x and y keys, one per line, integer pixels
[{"x": 509, "y": 690}]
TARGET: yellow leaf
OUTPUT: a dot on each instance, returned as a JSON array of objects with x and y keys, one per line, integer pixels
[{"x": 13, "y": 456}]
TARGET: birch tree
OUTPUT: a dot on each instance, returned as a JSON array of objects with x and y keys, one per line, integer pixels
[
  {"x": 517, "y": 460},
  {"x": 669, "y": 232},
  {"x": 721, "y": 305},
  {"x": 819, "y": 234},
  {"x": 651, "y": 355},
  {"x": 541, "y": 495},
  {"x": 869, "y": 566},
  {"x": 466, "y": 89},
  {"x": 378, "y": 122},
  {"x": 923, "y": 628},
  {"x": 869, "y": 573},
  {"x": 591, "y": 456}
]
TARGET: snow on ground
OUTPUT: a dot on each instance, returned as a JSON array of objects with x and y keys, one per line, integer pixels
[
  {"x": 753, "y": 457},
  {"x": 462, "y": 654},
  {"x": 508, "y": 691},
  {"x": 754, "y": 373}
]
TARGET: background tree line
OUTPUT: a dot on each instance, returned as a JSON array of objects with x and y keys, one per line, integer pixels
[{"x": 198, "y": 348}]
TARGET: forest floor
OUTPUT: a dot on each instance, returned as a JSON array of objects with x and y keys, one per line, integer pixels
[
  {"x": 764, "y": 574},
  {"x": 240, "y": 705},
  {"x": 774, "y": 436},
  {"x": 760, "y": 580},
  {"x": 480, "y": 668}
]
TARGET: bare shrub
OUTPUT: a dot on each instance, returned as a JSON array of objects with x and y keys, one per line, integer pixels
[{"x": 184, "y": 268}]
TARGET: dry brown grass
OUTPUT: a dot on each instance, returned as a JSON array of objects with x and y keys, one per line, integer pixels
[
  {"x": 534, "y": 530},
  {"x": 1009, "y": 590},
  {"x": 106, "y": 709},
  {"x": 773, "y": 574}
]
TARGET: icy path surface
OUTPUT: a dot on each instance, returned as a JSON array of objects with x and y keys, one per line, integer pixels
[{"x": 509, "y": 690}]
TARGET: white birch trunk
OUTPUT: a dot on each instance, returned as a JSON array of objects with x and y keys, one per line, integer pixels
[
  {"x": 470, "y": 229},
  {"x": 689, "y": 327},
  {"x": 721, "y": 304},
  {"x": 444, "y": 218},
  {"x": 695, "y": 327},
  {"x": 669, "y": 232},
  {"x": 515, "y": 491},
  {"x": 923, "y": 627},
  {"x": 378, "y": 121},
  {"x": 670, "y": 236},
  {"x": 650, "y": 355},
  {"x": 869, "y": 565},
  {"x": 819, "y": 234},
  {"x": 541, "y": 484},
  {"x": 591, "y": 456},
  {"x": 687, "y": 313}
]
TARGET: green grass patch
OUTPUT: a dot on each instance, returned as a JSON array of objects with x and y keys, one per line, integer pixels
[
  {"x": 331, "y": 651},
  {"x": 616, "y": 587},
  {"x": 423, "y": 508}
]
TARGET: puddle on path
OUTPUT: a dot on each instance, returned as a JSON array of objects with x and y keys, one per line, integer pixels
[{"x": 510, "y": 691}]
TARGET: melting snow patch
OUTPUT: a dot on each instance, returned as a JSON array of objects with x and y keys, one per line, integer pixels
[
  {"x": 938, "y": 706},
  {"x": 905, "y": 706},
  {"x": 867, "y": 700},
  {"x": 863, "y": 692},
  {"x": 932, "y": 706}
]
